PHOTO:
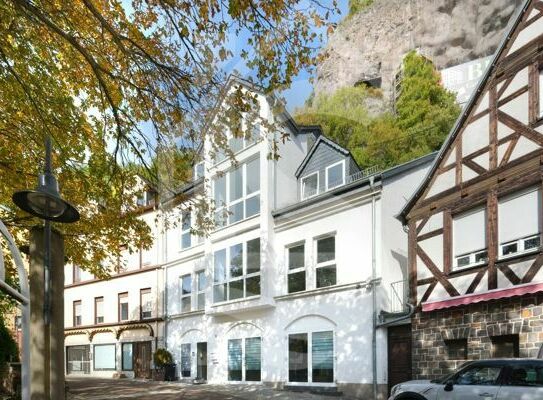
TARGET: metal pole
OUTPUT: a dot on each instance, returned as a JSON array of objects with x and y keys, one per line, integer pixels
[{"x": 47, "y": 274}]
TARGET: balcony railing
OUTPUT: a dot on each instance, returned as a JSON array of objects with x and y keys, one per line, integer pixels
[{"x": 398, "y": 296}]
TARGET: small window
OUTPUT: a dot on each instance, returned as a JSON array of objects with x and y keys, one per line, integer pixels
[
  {"x": 335, "y": 175},
  {"x": 186, "y": 293},
  {"x": 77, "y": 313},
  {"x": 326, "y": 262},
  {"x": 457, "y": 349},
  {"x": 123, "y": 306},
  {"x": 201, "y": 285},
  {"x": 76, "y": 274},
  {"x": 296, "y": 268},
  {"x": 310, "y": 186},
  {"x": 185, "y": 229},
  {"x": 98, "y": 310},
  {"x": 199, "y": 170},
  {"x": 146, "y": 303},
  {"x": 506, "y": 346},
  {"x": 469, "y": 238}
]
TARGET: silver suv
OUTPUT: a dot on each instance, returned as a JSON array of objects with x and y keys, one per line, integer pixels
[{"x": 500, "y": 379}]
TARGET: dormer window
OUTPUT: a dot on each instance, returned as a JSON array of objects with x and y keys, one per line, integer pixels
[
  {"x": 310, "y": 185},
  {"x": 335, "y": 175},
  {"x": 146, "y": 198},
  {"x": 198, "y": 170}
]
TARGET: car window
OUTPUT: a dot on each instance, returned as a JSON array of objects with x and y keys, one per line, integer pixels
[
  {"x": 481, "y": 375},
  {"x": 525, "y": 375}
]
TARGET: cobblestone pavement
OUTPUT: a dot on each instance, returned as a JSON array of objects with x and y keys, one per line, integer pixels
[{"x": 102, "y": 389}]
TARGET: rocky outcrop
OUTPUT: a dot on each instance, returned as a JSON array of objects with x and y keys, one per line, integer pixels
[{"x": 372, "y": 43}]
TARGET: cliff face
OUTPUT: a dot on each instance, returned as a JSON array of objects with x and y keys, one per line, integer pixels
[{"x": 372, "y": 43}]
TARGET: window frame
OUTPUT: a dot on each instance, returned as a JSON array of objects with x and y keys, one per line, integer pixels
[
  {"x": 222, "y": 214},
  {"x": 74, "y": 274},
  {"x": 122, "y": 295},
  {"x": 302, "y": 179},
  {"x": 344, "y": 173},
  {"x": 74, "y": 315},
  {"x": 324, "y": 264},
  {"x": 183, "y": 296},
  {"x": 243, "y": 359},
  {"x": 131, "y": 354},
  {"x": 296, "y": 270},
  {"x": 94, "y": 358},
  {"x": 184, "y": 214},
  {"x": 227, "y": 279},
  {"x": 96, "y": 316},
  {"x": 309, "y": 334},
  {"x": 473, "y": 255},
  {"x": 143, "y": 292},
  {"x": 199, "y": 292}
]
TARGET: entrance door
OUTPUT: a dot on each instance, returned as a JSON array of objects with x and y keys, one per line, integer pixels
[
  {"x": 399, "y": 355},
  {"x": 142, "y": 360},
  {"x": 201, "y": 361}
]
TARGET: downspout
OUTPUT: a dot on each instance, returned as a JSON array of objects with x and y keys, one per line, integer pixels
[{"x": 373, "y": 291}]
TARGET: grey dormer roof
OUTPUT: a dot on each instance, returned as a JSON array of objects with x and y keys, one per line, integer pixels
[{"x": 325, "y": 140}]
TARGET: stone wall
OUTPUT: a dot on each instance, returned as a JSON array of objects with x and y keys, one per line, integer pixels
[{"x": 476, "y": 323}]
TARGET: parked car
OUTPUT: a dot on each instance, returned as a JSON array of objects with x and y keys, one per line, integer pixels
[{"x": 499, "y": 379}]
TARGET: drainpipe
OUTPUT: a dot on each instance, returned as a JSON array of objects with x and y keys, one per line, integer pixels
[{"x": 373, "y": 290}]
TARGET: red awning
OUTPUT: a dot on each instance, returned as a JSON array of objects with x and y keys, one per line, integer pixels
[{"x": 518, "y": 290}]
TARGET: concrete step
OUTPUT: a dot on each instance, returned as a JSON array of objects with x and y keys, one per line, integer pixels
[{"x": 321, "y": 390}]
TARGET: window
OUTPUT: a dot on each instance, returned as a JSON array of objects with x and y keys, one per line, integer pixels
[
  {"x": 457, "y": 349},
  {"x": 296, "y": 268},
  {"x": 186, "y": 293},
  {"x": 76, "y": 274},
  {"x": 146, "y": 302},
  {"x": 78, "y": 359},
  {"x": 244, "y": 359},
  {"x": 335, "y": 175},
  {"x": 237, "y": 271},
  {"x": 540, "y": 93},
  {"x": 127, "y": 361},
  {"x": 104, "y": 357},
  {"x": 310, "y": 185},
  {"x": 199, "y": 170},
  {"x": 326, "y": 262},
  {"x": 506, "y": 346},
  {"x": 479, "y": 375},
  {"x": 237, "y": 194},
  {"x": 518, "y": 223},
  {"x": 311, "y": 352},
  {"x": 98, "y": 310},
  {"x": 146, "y": 198},
  {"x": 525, "y": 375},
  {"x": 185, "y": 230},
  {"x": 123, "y": 306},
  {"x": 77, "y": 313},
  {"x": 185, "y": 360},
  {"x": 469, "y": 238},
  {"x": 201, "y": 287}
]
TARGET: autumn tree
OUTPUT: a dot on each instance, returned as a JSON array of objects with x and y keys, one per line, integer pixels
[{"x": 110, "y": 81}]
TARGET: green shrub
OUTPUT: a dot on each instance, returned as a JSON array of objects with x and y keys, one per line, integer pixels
[
  {"x": 162, "y": 357},
  {"x": 356, "y": 6}
]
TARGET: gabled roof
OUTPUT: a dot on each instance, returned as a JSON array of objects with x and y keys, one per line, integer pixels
[
  {"x": 325, "y": 140},
  {"x": 513, "y": 24}
]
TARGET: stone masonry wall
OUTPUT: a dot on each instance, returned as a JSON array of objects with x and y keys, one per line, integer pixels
[{"x": 522, "y": 316}]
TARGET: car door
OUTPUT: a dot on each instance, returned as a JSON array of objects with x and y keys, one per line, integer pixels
[
  {"x": 523, "y": 382},
  {"x": 477, "y": 382}
]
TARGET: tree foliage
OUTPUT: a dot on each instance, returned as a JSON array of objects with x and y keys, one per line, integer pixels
[
  {"x": 8, "y": 346},
  {"x": 112, "y": 80},
  {"x": 356, "y": 6},
  {"x": 424, "y": 114}
]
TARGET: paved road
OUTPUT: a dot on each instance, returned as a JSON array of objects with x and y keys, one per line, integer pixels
[{"x": 109, "y": 389}]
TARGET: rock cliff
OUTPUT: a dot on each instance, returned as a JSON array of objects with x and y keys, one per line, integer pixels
[{"x": 372, "y": 43}]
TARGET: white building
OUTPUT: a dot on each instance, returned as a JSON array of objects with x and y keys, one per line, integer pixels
[{"x": 284, "y": 291}]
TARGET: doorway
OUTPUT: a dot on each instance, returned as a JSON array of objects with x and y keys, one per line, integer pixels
[
  {"x": 201, "y": 361},
  {"x": 399, "y": 355},
  {"x": 142, "y": 360}
]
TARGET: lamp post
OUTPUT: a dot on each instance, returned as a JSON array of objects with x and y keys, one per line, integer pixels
[{"x": 46, "y": 203}]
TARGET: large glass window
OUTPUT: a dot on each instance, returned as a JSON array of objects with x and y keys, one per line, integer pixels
[
  {"x": 186, "y": 293},
  {"x": 201, "y": 286},
  {"x": 104, "y": 357},
  {"x": 296, "y": 268},
  {"x": 146, "y": 303},
  {"x": 98, "y": 310},
  {"x": 310, "y": 185},
  {"x": 242, "y": 199},
  {"x": 123, "y": 306},
  {"x": 326, "y": 261},
  {"x": 244, "y": 359},
  {"x": 234, "y": 360},
  {"x": 185, "y": 360},
  {"x": 335, "y": 175},
  {"x": 469, "y": 238},
  {"x": 127, "y": 362},
  {"x": 518, "y": 223},
  {"x": 242, "y": 277},
  {"x": 78, "y": 359},
  {"x": 77, "y": 313},
  {"x": 311, "y": 352}
]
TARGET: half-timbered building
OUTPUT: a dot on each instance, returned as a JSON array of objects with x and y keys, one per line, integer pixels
[{"x": 475, "y": 223}]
